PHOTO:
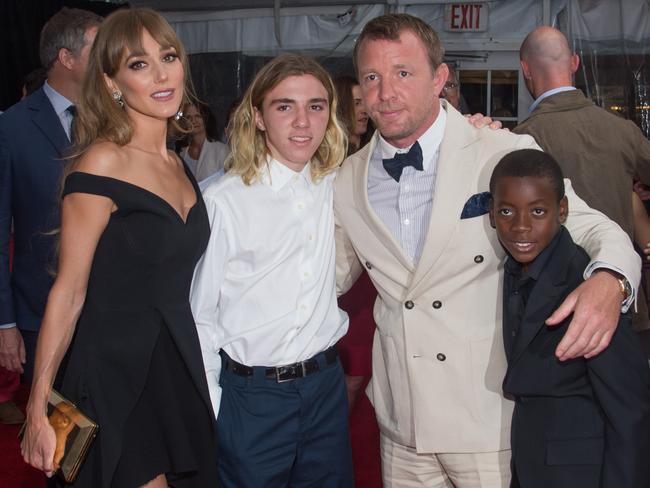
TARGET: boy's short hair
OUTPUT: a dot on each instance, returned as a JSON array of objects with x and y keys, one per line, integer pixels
[{"x": 529, "y": 163}]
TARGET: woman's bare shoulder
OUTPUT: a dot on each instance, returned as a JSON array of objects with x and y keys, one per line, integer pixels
[{"x": 103, "y": 159}]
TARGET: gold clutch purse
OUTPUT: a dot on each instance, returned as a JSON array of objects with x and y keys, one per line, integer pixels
[{"x": 74, "y": 434}]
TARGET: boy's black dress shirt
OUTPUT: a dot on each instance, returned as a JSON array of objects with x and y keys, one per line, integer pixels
[{"x": 517, "y": 287}]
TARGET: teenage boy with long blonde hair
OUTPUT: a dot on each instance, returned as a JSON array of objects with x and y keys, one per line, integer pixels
[{"x": 264, "y": 294}]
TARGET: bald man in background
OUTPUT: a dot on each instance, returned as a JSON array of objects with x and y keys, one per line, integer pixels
[{"x": 599, "y": 152}]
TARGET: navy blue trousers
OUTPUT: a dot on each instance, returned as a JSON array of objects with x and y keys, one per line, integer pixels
[{"x": 293, "y": 434}]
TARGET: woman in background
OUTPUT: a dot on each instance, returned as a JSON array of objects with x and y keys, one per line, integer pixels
[
  {"x": 355, "y": 348},
  {"x": 352, "y": 113},
  {"x": 204, "y": 154},
  {"x": 133, "y": 226}
]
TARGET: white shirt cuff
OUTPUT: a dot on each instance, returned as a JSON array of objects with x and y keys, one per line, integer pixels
[{"x": 8, "y": 326}]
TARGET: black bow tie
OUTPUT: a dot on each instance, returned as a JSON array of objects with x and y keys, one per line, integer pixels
[{"x": 394, "y": 166}]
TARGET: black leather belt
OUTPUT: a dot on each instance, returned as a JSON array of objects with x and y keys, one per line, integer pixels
[{"x": 289, "y": 372}]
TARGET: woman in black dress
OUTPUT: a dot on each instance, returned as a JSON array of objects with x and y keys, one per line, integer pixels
[{"x": 133, "y": 226}]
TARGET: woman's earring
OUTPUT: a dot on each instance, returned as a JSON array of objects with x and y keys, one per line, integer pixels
[
  {"x": 117, "y": 96},
  {"x": 178, "y": 115}
]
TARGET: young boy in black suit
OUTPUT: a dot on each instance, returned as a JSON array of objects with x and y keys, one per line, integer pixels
[{"x": 583, "y": 423}]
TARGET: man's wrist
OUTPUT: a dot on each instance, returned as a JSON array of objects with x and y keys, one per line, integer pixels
[{"x": 624, "y": 285}]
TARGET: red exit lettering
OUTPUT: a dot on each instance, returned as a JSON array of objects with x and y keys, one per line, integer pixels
[{"x": 466, "y": 16}]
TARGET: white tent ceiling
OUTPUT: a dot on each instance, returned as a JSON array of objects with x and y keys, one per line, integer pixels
[
  {"x": 331, "y": 26},
  {"x": 220, "y": 5}
]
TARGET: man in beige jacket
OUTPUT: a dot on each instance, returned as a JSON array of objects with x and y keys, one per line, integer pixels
[{"x": 411, "y": 208}]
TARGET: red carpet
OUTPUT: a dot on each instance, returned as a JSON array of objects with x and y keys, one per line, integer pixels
[
  {"x": 364, "y": 433},
  {"x": 14, "y": 473}
]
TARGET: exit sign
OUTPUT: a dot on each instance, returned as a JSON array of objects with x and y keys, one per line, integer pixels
[{"x": 466, "y": 17}]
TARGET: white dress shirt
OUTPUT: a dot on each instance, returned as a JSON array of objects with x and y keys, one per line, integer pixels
[
  {"x": 405, "y": 206},
  {"x": 265, "y": 289}
]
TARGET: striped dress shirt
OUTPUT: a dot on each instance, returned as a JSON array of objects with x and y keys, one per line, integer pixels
[{"x": 405, "y": 206}]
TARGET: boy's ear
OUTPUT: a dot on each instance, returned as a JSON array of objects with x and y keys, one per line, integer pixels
[
  {"x": 259, "y": 120},
  {"x": 564, "y": 209}
]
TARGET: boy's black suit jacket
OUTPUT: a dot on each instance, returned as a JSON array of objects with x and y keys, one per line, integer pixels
[{"x": 583, "y": 423}]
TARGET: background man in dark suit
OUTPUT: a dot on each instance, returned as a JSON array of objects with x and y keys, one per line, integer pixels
[
  {"x": 34, "y": 136},
  {"x": 599, "y": 152}
]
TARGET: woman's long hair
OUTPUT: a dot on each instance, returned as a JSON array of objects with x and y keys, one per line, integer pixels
[
  {"x": 347, "y": 113},
  {"x": 345, "y": 109},
  {"x": 249, "y": 152},
  {"x": 99, "y": 117}
]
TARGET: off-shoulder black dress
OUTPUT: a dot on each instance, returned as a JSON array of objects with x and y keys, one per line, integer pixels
[{"x": 135, "y": 362}]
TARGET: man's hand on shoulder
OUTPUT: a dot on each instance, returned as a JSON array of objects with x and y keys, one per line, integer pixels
[
  {"x": 479, "y": 121},
  {"x": 12, "y": 350},
  {"x": 596, "y": 307}
]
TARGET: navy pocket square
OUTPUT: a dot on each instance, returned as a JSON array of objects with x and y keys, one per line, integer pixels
[{"x": 477, "y": 205}]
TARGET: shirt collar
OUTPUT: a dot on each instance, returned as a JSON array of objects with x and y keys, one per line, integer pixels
[
  {"x": 548, "y": 93},
  {"x": 429, "y": 141},
  {"x": 58, "y": 101},
  {"x": 278, "y": 175}
]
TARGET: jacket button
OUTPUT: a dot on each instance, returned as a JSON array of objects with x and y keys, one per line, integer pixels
[
  {"x": 440, "y": 356},
  {"x": 478, "y": 259},
  {"x": 409, "y": 304},
  {"x": 437, "y": 304},
  {"x": 368, "y": 265}
]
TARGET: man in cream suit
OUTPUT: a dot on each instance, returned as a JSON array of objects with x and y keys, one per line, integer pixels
[{"x": 417, "y": 221}]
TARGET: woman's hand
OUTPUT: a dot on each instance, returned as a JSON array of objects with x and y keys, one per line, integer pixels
[{"x": 38, "y": 445}]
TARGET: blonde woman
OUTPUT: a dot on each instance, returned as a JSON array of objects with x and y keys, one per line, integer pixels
[
  {"x": 133, "y": 226},
  {"x": 265, "y": 294}
]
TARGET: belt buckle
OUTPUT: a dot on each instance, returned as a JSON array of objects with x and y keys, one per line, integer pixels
[{"x": 290, "y": 373}]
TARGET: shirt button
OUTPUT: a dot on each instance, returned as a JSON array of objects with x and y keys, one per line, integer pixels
[
  {"x": 409, "y": 304},
  {"x": 368, "y": 265},
  {"x": 478, "y": 259},
  {"x": 437, "y": 304},
  {"x": 300, "y": 206},
  {"x": 407, "y": 188},
  {"x": 407, "y": 221},
  {"x": 311, "y": 237},
  {"x": 516, "y": 292},
  {"x": 440, "y": 356}
]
